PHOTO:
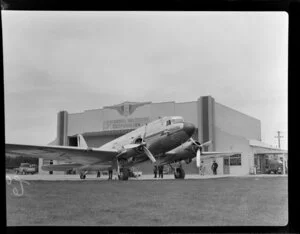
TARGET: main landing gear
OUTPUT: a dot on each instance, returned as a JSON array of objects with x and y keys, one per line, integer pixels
[
  {"x": 123, "y": 174},
  {"x": 179, "y": 173},
  {"x": 82, "y": 175}
]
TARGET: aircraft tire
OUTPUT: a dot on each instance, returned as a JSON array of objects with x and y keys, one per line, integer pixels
[
  {"x": 179, "y": 173},
  {"x": 124, "y": 175},
  {"x": 182, "y": 174}
]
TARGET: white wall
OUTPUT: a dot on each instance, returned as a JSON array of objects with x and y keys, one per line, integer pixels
[
  {"x": 231, "y": 143},
  {"x": 93, "y": 120},
  {"x": 162, "y": 109},
  {"x": 237, "y": 123}
]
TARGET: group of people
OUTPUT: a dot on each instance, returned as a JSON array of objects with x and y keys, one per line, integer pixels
[
  {"x": 214, "y": 168},
  {"x": 160, "y": 170}
]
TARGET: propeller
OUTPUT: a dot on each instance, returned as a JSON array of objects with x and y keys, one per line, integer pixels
[
  {"x": 142, "y": 146},
  {"x": 146, "y": 150},
  {"x": 199, "y": 149},
  {"x": 149, "y": 154}
]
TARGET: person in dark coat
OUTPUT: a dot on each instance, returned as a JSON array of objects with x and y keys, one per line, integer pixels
[
  {"x": 155, "y": 169},
  {"x": 161, "y": 171},
  {"x": 214, "y": 167},
  {"x": 110, "y": 173}
]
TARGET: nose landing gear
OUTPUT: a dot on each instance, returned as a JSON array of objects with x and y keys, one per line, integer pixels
[
  {"x": 179, "y": 173},
  {"x": 82, "y": 175}
]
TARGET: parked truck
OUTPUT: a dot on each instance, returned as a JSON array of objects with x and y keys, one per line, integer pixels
[
  {"x": 26, "y": 168},
  {"x": 274, "y": 166}
]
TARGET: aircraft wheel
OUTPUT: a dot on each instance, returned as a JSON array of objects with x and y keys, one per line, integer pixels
[
  {"x": 124, "y": 174},
  {"x": 179, "y": 173}
]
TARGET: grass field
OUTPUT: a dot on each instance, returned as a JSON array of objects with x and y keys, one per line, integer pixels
[{"x": 210, "y": 202}]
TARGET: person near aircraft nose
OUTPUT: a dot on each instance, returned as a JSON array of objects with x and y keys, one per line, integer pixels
[
  {"x": 110, "y": 172},
  {"x": 214, "y": 167},
  {"x": 161, "y": 171},
  {"x": 155, "y": 171}
]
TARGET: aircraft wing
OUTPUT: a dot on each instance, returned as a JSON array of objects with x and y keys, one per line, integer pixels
[
  {"x": 217, "y": 154},
  {"x": 66, "y": 153}
]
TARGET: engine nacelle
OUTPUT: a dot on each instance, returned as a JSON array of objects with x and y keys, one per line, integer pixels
[{"x": 132, "y": 152}]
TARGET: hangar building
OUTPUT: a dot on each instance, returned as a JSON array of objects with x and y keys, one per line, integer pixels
[{"x": 228, "y": 129}]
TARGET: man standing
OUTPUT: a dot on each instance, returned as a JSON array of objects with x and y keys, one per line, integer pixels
[
  {"x": 110, "y": 173},
  {"x": 214, "y": 167},
  {"x": 155, "y": 171},
  {"x": 161, "y": 171}
]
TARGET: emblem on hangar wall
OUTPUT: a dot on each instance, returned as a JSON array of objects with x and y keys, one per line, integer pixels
[{"x": 126, "y": 108}]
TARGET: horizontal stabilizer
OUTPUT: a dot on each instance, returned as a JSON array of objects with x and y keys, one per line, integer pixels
[{"x": 216, "y": 154}]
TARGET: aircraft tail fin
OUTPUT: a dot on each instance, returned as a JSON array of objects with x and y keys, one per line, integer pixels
[{"x": 81, "y": 142}]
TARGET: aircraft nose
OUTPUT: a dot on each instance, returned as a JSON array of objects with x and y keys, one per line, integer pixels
[{"x": 189, "y": 128}]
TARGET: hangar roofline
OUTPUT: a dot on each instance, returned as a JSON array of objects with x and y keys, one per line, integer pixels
[
  {"x": 238, "y": 111},
  {"x": 174, "y": 102},
  {"x": 103, "y": 108}
]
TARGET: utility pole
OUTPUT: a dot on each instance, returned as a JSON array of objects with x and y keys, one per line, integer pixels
[{"x": 278, "y": 136}]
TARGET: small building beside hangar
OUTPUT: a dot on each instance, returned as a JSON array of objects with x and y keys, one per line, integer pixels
[{"x": 228, "y": 130}]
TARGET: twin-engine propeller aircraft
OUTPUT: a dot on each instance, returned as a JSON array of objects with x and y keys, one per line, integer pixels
[{"x": 148, "y": 142}]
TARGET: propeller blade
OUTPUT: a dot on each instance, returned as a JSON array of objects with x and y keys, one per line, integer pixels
[
  {"x": 198, "y": 158},
  {"x": 193, "y": 141},
  {"x": 148, "y": 153},
  {"x": 145, "y": 132},
  {"x": 205, "y": 143}
]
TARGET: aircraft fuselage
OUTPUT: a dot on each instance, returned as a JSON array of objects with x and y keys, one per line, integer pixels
[{"x": 160, "y": 137}]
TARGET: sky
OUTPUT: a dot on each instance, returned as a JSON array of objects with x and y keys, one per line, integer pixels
[{"x": 76, "y": 61}]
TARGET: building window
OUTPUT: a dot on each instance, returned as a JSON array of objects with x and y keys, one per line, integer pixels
[{"x": 235, "y": 160}]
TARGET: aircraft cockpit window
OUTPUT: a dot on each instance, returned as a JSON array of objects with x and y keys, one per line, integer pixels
[{"x": 177, "y": 120}]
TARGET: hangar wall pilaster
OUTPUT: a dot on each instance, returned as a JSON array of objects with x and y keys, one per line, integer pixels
[
  {"x": 206, "y": 121},
  {"x": 62, "y": 128}
]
